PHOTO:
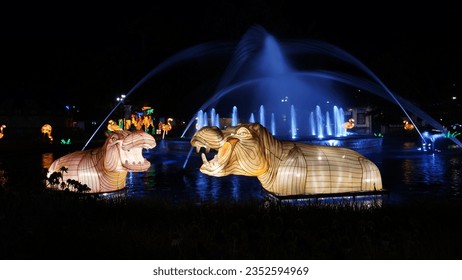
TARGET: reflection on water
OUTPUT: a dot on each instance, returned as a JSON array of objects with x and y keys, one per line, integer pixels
[
  {"x": 410, "y": 174},
  {"x": 430, "y": 169},
  {"x": 47, "y": 160},
  {"x": 406, "y": 173},
  {"x": 3, "y": 177},
  {"x": 408, "y": 170},
  {"x": 364, "y": 201}
]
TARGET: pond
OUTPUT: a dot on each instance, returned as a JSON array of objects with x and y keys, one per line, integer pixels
[{"x": 407, "y": 174}]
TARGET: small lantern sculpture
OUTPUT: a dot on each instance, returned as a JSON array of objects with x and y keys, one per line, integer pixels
[
  {"x": 166, "y": 127},
  {"x": 111, "y": 127},
  {"x": 285, "y": 168},
  {"x": 407, "y": 125},
  {"x": 46, "y": 133},
  {"x": 1, "y": 130},
  {"x": 349, "y": 124}
]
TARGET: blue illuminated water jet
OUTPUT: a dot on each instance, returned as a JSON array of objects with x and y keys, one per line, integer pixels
[
  {"x": 293, "y": 122},
  {"x": 234, "y": 117},
  {"x": 273, "y": 125},
  {"x": 262, "y": 115},
  {"x": 252, "y": 118},
  {"x": 261, "y": 73}
]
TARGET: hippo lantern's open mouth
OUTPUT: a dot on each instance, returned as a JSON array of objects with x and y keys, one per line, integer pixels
[
  {"x": 219, "y": 160},
  {"x": 217, "y": 142},
  {"x": 133, "y": 160}
]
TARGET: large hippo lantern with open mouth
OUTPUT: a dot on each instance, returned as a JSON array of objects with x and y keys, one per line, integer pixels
[
  {"x": 285, "y": 168},
  {"x": 105, "y": 169}
]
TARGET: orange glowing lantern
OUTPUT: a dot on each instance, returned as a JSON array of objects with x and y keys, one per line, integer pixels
[
  {"x": 166, "y": 127},
  {"x": 46, "y": 132},
  {"x": 349, "y": 124},
  {"x": 1, "y": 131},
  {"x": 112, "y": 126},
  {"x": 407, "y": 125}
]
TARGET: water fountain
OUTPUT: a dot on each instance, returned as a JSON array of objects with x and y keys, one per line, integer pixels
[
  {"x": 261, "y": 77},
  {"x": 270, "y": 84},
  {"x": 266, "y": 78},
  {"x": 262, "y": 73}
]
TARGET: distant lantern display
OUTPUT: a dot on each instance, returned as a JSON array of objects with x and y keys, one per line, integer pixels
[
  {"x": 1, "y": 131},
  {"x": 46, "y": 132},
  {"x": 166, "y": 127},
  {"x": 349, "y": 124},
  {"x": 112, "y": 126},
  {"x": 407, "y": 125}
]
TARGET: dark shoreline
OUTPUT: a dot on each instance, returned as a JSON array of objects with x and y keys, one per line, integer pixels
[{"x": 50, "y": 226}]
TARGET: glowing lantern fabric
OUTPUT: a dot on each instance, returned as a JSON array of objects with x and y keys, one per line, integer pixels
[
  {"x": 1, "y": 130},
  {"x": 105, "y": 169},
  {"x": 285, "y": 168},
  {"x": 46, "y": 131}
]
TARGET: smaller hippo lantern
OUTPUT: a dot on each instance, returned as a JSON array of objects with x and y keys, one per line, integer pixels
[
  {"x": 105, "y": 169},
  {"x": 285, "y": 168}
]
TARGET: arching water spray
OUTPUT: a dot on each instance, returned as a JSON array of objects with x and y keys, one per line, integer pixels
[
  {"x": 187, "y": 157},
  {"x": 318, "y": 47},
  {"x": 257, "y": 45},
  {"x": 207, "y": 49}
]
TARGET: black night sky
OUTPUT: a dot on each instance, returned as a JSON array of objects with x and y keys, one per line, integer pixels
[{"x": 86, "y": 54}]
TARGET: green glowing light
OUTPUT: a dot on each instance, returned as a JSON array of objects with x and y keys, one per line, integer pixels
[
  {"x": 452, "y": 134},
  {"x": 66, "y": 142}
]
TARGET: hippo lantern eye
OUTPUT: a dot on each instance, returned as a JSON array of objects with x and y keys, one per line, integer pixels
[{"x": 244, "y": 133}]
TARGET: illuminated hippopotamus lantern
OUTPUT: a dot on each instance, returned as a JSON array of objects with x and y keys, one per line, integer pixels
[
  {"x": 285, "y": 168},
  {"x": 105, "y": 169}
]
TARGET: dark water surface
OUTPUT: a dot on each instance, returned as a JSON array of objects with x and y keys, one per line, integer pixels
[{"x": 407, "y": 174}]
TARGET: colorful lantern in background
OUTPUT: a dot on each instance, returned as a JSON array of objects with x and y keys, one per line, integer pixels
[
  {"x": 166, "y": 127},
  {"x": 1, "y": 130},
  {"x": 349, "y": 124},
  {"x": 407, "y": 125},
  {"x": 285, "y": 168},
  {"x": 46, "y": 132},
  {"x": 112, "y": 126}
]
